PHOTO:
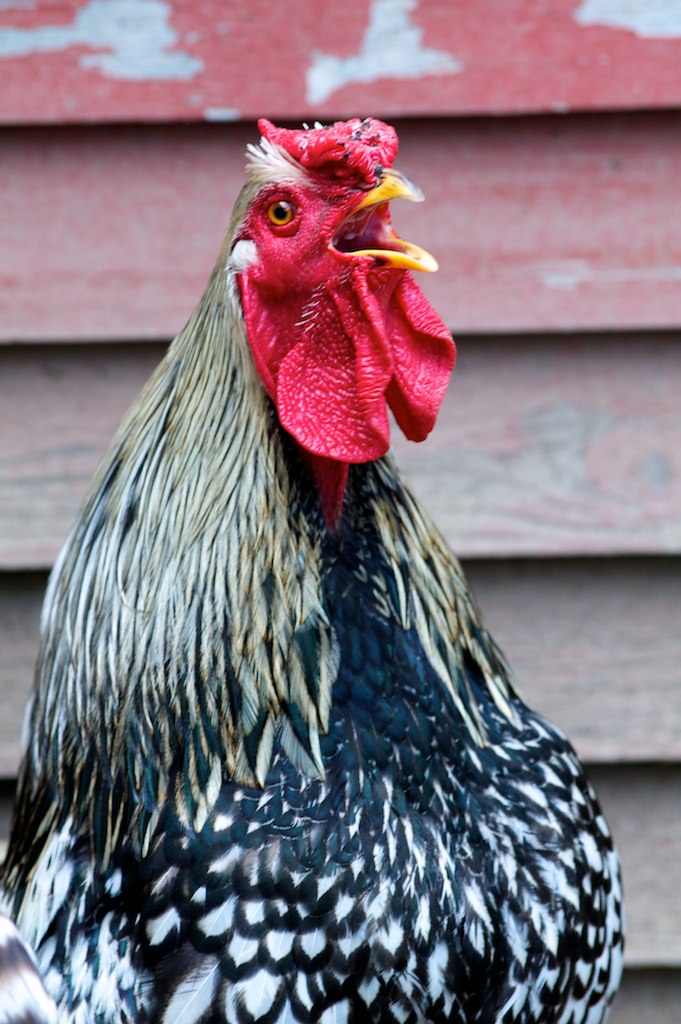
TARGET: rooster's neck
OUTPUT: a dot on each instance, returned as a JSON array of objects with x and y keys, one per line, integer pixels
[
  {"x": 331, "y": 478},
  {"x": 194, "y": 572}
]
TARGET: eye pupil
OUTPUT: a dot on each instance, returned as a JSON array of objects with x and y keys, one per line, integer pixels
[{"x": 281, "y": 212}]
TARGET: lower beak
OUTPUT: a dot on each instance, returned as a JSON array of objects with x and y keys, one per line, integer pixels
[{"x": 391, "y": 248}]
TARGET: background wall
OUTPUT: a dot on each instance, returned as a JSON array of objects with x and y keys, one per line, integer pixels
[{"x": 547, "y": 138}]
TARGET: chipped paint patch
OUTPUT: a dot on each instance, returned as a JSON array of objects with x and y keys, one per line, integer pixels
[
  {"x": 391, "y": 48},
  {"x": 134, "y": 38},
  {"x": 570, "y": 274},
  {"x": 649, "y": 19},
  {"x": 221, "y": 114}
]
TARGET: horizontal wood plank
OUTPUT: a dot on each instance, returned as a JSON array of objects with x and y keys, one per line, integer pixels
[
  {"x": 561, "y": 445},
  {"x": 20, "y": 602},
  {"x": 641, "y": 804},
  {"x": 538, "y": 223},
  {"x": 648, "y": 997},
  {"x": 58, "y": 410},
  {"x": 88, "y": 60},
  {"x": 594, "y": 645},
  {"x": 7, "y": 789}
]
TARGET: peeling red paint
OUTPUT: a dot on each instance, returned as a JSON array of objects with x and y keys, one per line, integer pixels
[{"x": 73, "y": 62}]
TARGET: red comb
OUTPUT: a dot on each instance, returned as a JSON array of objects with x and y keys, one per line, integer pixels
[{"x": 353, "y": 148}]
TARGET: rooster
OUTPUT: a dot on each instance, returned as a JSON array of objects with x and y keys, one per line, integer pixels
[{"x": 277, "y": 769}]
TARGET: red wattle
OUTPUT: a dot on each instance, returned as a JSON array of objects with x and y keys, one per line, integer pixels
[
  {"x": 366, "y": 341},
  {"x": 331, "y": 386},
  {"x": 423, "y": 359}
]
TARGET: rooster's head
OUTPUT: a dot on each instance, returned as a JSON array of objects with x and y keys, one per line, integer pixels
[{"x": 338, "y": 329}]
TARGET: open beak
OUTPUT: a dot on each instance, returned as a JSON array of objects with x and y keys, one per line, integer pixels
[{"x": 367, "y": 231}]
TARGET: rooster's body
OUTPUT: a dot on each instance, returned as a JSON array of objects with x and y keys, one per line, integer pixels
[{"x": 277, "y": 769}]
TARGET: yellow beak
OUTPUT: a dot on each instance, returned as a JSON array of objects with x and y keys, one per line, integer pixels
[{"x": 394, "y": 185}]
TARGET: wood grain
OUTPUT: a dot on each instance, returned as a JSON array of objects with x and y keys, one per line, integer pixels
[
  {"x": 641, "y": 804},
  {"x": 594, "y": 644},
  {"x": 545, "y": 445},
  {"x": 80, "y": 60},
  {"x": 21, "y": 597},
  {"x": 538, "y": 223},
  {"x": 58, "y": 410},
  {"x": 648, "y": 997},
  {"x": 559, "y": 445}
]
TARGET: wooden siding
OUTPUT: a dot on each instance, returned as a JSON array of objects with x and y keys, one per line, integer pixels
[
  {"x": 648, "y": 997},
  {"x": 533, "y": 453},
  {"x": 538, "y": 223},
  {"x": 102, "y": 60},
  {"x": 555, "y": 470}
]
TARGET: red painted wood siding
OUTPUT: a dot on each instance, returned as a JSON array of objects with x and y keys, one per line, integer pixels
[{"x": 113, "y": 60}]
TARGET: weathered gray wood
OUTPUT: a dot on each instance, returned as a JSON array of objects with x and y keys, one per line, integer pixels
[
  {"x": 58, "y": 410},
  {"x": 20, "y": 601},
  {"x": 7, "y": 788},
  {"x": 648, "y": 997},
  {"x": 595, "y": 646},
  {"x": 642, "y": 805},
  {"x": 555, "y": 445}
]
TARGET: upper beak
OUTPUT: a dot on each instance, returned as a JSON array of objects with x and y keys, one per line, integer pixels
[
  {"x": 384, "y": 244},
  {"x": 393, "y": 185},
  {"x": 373, "y": 233}
]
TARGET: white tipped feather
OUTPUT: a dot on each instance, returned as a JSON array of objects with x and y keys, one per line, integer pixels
[{"x": 267, "y": 160}]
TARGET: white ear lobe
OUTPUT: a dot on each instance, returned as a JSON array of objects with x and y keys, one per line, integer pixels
[{"x": 244, "y": 253}]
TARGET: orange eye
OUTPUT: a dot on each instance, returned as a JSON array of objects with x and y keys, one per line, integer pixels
[{"x": 281, "y": 213}]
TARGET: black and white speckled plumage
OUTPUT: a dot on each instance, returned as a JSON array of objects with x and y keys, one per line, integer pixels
[
  {"x": 281, "y": 774},
  {"x": 425, "y": 878}
]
